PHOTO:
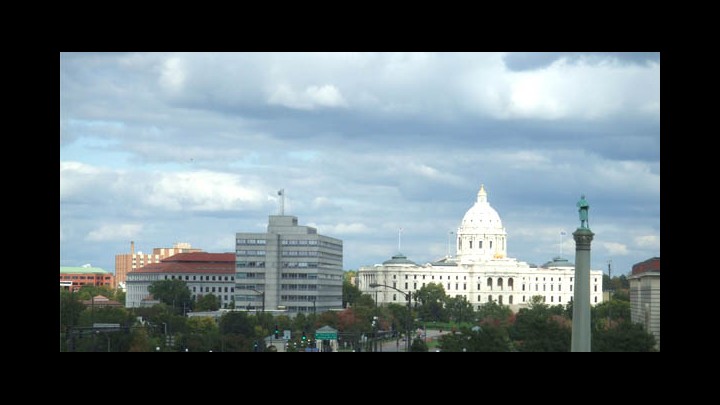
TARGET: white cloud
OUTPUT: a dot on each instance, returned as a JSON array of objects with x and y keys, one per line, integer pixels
[
  {"x": 647, "y": 241},
  {"x": 312, "y": 97},
  {"x": 114, "y": 232},
  {"x": 615, "y": 249},
  {"x": 341, "y": 229},
  {"x": 203, "y": 191},
  {"x": 172, "y": 74}
]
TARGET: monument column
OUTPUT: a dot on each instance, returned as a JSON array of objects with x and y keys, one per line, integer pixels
[{"x": 581, "y": 298}]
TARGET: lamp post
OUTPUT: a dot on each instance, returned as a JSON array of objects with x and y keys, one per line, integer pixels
[
  {"x": 263, "y": 299},
  {"x": 407, "y": 297}
]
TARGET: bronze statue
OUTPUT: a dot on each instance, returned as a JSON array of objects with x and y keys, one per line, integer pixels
[{"x": 583, "y": 208}]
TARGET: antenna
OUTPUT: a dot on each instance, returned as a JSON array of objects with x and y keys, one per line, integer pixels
[{"x": 562, "y": 233}]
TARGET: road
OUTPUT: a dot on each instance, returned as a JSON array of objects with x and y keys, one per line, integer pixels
[{"x": 399, "y": 345}]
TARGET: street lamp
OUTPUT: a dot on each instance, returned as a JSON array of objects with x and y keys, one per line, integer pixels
[
  {"x": 263, "y": 299},
  {"x": 407, "y": 297}
]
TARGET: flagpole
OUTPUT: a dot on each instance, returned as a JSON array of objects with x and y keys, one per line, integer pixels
[
  {"x": 399, "y": 233},
  {"x": 281, "y": 193}
]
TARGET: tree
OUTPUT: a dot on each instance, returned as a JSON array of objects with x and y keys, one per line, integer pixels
[
  {"x": 459, "y": 309},
  {"x": 173, "y": 293},
  {"x": 432, "y": 298},
  {"x": 623, "y": 336},
  {"x": 537, "y": 329},
  {"x": 207, "y": 302},
  {"x": 418, "y": 345},
  {"x": 237, "y": 323},
  {"x": 350, "y": 293},
  {"x": 492, "y": 311},
  {"x": 70, "y": 310}
]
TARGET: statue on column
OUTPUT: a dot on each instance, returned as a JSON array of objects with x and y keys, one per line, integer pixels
[{"x": 583, "y": 208}]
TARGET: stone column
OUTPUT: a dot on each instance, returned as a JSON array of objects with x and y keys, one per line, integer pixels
[{"x": 581, "y": 297}]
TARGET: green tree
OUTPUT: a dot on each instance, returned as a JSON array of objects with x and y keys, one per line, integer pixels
[
  {"x": 237, "y": 323},
  {"x": 459, "y": 309},
  {"x": 537, "y": 329},
  {"x": 622, "y": 336},
  {"x": 70, "y": 310},
  {"x": 350, "y": 292},
  {"x": 207, "y": 302},
  {"x": 492, "y": 311},
  {"x": 173, "y": 293},
  {"x": 418, "y": 345},
  {"x": 432, "y": 298}
]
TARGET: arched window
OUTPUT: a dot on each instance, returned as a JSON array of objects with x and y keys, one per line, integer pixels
[
  {"x": 489, "y": 298},
  {"x": 510, "y": 300},
  {"x": 511, "y": 284},
  {"x": 500, "y": 299},
  {"x": 490, "y": 244},
  {"x": 489, "y": 282},
  {"x": 500, "y": 283}
]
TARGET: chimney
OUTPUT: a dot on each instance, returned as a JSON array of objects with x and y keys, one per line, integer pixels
[{"x": 132, "y": 247}]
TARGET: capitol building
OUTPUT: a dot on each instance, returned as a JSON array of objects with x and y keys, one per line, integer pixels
[{"x": 480, "y": 271}]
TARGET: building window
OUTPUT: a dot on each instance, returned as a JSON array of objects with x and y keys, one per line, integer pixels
[
  {"x": 510, "y": 300},
  {"x": 500, "y": 283},
  {"x": 552, "y": 299},
  {"x": 511, "y": 283},
  {"x": 194, "y": 289},
  {"x": 394, "y": 276},
  {"x": 551, "y": 286},
  {"x": 489, "y": 282},
  {"x": 394, "y": 284},
  {"x": 490, "y": 244},
  {"x": 406, "y": 277},
  {"x": 415, "y": 277},
  {"x": 523, "y": 298},
  {"x": 559, "y": 287},
  {"x": 596, "y": 299},
  {"x": 194, "y": 278},
  {"x": 571, "y": 287},
  {"x": 423, "y": 277},
  {"x": 406, "y": 286},
  {"x": 470, "y": 244},
  {"x": 479, "y": 244},
  {"x": 536, "y": 287},
  {"x": 478, "y": 286},
  {"x": 448, "y": 286},
  {"x": 456, "y": 286},
  {"x": 523, "y": 287},
  {"x": 394, "y": 297},
  {"x": 489, "y": 298},
  {"x": 414, "y": 286},
  {"x": 500, "y": 300},
  {"x": 595, "y": 288}
]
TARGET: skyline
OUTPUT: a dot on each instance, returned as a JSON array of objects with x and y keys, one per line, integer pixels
[{"x": 162, "y": 148}]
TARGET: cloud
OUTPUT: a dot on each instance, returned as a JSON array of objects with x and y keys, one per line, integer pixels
[
  {"x": 114, "y": 232},
  {"x": 647, "y": 241},
  {"x": 311, "y": 98},
  {"x": 342, "y": 229},
  {"x": 615, "y": 249}
]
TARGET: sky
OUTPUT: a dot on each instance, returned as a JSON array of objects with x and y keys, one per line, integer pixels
[{"x": 160, "y": 148}]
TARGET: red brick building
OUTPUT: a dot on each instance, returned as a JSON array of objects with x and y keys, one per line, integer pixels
[
  {"x": 204, "y": 273},
  {"x": 80, "y": 276}
]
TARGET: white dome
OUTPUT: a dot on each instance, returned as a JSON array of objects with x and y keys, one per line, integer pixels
[
  {"x": 481, "y": 217},
  {"x": 481, "y": 235}
]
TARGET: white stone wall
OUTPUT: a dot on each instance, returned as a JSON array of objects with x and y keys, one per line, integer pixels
[
  {"x": 555, "y": 285},
  {"x": 198, "y": 284}
]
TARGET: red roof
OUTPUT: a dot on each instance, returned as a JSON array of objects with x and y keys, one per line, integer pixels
[{"x": 193, "y": 262}]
